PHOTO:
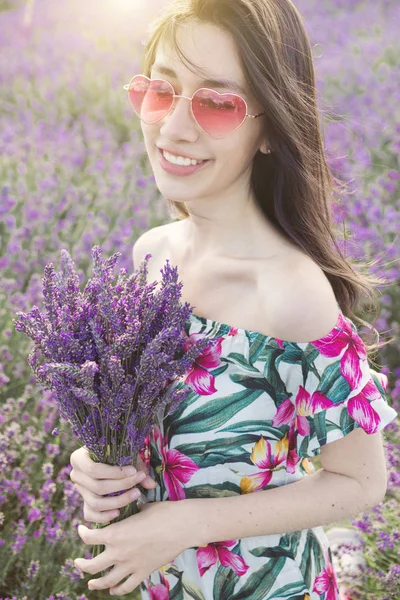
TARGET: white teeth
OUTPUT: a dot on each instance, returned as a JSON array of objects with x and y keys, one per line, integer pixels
[{"x": 180, "y": 160}]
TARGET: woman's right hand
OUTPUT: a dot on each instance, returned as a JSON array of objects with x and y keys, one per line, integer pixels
[{"x": 94, "y": 480}]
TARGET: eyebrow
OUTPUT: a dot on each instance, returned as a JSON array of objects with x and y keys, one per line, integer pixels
[{"x": 215, "y": 83}]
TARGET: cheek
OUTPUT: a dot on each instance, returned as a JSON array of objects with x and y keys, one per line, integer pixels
[
  {"x": 150, "y": 138},
  {"x": 149, "y": 132},
  {"x": 238, "y": 151}
]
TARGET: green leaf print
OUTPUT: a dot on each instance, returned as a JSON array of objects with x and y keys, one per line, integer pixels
[
  {"x": 319, "y": 423},
  {"x": 227, "y": 450},
  {"x": 259, "y": 426},
  {"x": 216, "y": 490},
  {"x": 215, "y": 458},
  {"x": 192, "y": 590},
  {"x": 258, "y": 350},
  {"x": 271, "y": 552},
  {"x": 289, "y": 589},
  {"x": 225, "y": 581},
  {"x": 260, "y": 582},
  {"x": 175, "y": 592},
  {"x": 291, "y": 541},
  {"x": 312, "y": 550},
  {"x": 214, "y": 414},
  {"x": 177, "y": 413},
  {"x": 238, "y": 359},
  {"x": 269, "y": 362},
  {"x": 319, "y": 558},
  {"x": 333, "y": 384},
  {"x": 254, "y": 383},
  {"x": 346, "y": 422}
]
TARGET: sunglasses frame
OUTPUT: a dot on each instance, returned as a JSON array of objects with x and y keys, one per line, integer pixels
[{"x": 174, "y": 96}]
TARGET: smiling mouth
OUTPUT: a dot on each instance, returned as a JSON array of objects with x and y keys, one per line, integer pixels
[{"x": 177, "y": 156}]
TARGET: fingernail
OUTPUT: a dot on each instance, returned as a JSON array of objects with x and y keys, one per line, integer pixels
[
  {"x": 129, "y": 471},
  {"x": 141, "y": 477},
  {"x": 135, "y": 494}
]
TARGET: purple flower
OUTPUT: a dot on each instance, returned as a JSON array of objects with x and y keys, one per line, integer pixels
[
  {"x": 48, "y": 469},
  {"x": 110, "y": 353},
  {"x": 70, "y": 571},
  {"x": 33, "y": 569},
  {"x": 34, "y": 515},
  {"x": 52, "y": 449}
]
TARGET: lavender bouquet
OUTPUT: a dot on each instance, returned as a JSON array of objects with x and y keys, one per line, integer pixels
[{"x": 111, "y": 354}]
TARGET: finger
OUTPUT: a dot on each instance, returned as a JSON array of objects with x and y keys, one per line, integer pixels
[
  {"x": 141, "y": 465},
  {"x": 81, "y": 461},
  {"x": 128, "y": 586},
  {"x": 94, "y": 516},
  {"x": 96, "y": 505},
  {"x": 102, "y": 487},
  {"x": 113, "y": 578},
  {"x": 93, "y": 565},
  {"x": 148, "y": 483},
  {"x": 93, "y": 537}
]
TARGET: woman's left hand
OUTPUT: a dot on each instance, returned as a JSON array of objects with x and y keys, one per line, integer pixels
[{"x": 136, "y": 546}]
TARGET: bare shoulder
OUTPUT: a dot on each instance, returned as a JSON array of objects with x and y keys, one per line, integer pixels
[
  {"x": 150, "y": 242},
  {"x": 305, "y": 306}
]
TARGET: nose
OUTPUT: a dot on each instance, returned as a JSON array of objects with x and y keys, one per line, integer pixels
[{"x": 179, "y": 123}]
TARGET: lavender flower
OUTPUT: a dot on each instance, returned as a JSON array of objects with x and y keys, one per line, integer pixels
[
  {"x": 111, "y": 352},
  {"x": 33, "y": 569}
]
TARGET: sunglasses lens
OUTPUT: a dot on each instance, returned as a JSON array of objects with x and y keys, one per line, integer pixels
[
  {"x": 218, "y": 114},
  {"x": 151, "y": 100}
]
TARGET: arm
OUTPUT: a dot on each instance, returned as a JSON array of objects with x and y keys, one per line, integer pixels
[{"x": 353, "y": 479}]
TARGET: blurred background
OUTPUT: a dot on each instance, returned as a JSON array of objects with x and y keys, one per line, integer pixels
[{"x": 74, "y": 173}]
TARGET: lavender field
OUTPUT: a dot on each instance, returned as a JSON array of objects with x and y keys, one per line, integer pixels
[{"x": 73, "y": 173}]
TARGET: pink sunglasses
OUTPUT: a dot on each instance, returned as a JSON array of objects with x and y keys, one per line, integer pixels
[{"x": 216, "y": 114}]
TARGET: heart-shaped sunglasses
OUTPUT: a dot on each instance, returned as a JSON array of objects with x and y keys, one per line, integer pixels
[{"x": 216, "y": 114}]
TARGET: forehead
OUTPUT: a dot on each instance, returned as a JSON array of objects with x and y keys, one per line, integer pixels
[{"x": 212, "y": 51}]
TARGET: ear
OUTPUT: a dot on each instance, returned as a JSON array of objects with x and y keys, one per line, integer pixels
[{"x": 264, "y": 148}]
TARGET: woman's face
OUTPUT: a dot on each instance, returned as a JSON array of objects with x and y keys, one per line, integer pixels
[{"x": 230, "y": 158}]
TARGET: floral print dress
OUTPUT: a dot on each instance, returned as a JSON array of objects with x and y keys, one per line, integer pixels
[{"x": 258, "y": 409}]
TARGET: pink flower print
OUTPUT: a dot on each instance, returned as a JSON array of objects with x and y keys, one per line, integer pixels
[
  {"x": 209, "y": 555},
  {"x": 347, "y": 339},
  {"x": 198, "y": 377},
  {"x": 326, "y": 582},
  {"x": 265, "y": 460},
  {"x": 176, "y": 468},
  {"x": 384, "y": 381},
  {"x": 307, "y": 405},
  {"x": 293, "y": 458},
  {"x": 161, "y": 590},
  {"x": 360, "y": 408},
  {"x": 285, "y": 415}
]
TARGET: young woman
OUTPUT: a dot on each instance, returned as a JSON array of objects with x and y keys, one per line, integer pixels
[{"x": 239, "y": 508}]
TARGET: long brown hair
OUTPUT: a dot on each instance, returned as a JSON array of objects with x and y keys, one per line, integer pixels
[{"x": 293, "y": 185}]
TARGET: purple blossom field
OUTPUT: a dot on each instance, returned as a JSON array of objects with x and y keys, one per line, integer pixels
[{"x": 73, "y": 174}]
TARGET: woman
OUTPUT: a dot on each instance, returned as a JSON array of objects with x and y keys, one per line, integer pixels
[{"x": 243, "y": 164}]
